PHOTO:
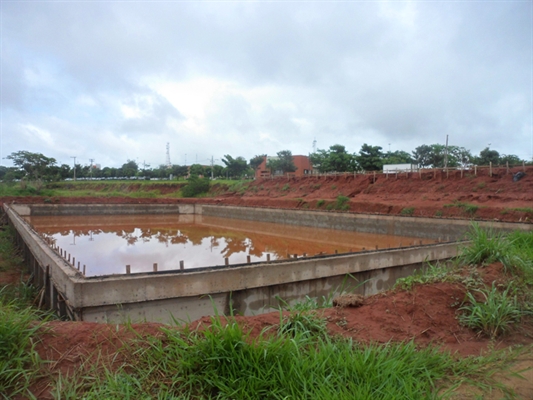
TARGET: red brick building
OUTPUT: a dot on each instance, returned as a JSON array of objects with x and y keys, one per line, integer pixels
[{"x": 302, "y": 163}]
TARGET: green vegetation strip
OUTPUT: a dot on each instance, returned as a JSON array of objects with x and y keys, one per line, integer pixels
[
  {"x": 193, "y": 187},
  {"x": 224, "y": 362}
]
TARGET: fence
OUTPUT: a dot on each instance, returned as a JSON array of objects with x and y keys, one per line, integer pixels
[{"x": 422, "y": 173}]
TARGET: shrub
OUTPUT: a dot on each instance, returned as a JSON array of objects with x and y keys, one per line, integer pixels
[
  {"x": 195, "y": 186},
  {"x": 320, "y": 203}
]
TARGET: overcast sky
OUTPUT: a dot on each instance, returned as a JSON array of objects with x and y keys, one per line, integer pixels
[{"x": 118, "y": 80}]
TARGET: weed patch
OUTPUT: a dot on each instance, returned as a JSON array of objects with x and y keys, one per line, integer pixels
[
  {"x": 341, "y": 204},
  {"x": 407, "y": 211},
  {"x": 469, "y": 209},
  {"x": 494, "y": 315}
]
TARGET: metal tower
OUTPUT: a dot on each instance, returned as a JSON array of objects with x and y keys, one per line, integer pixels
[{"x": 168, "y": 156}]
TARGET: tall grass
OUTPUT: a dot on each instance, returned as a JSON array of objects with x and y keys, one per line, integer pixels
[
  {"x": 514, "y": 251},
  {"x": 225, "y": 362},
  {"x": 495, "y": 314},
  {"x": 19, "y": 362},
  {"x": 10, "y": 257}
]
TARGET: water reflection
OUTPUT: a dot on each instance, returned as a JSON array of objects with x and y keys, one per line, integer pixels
[{"x": 106, "y": 244}]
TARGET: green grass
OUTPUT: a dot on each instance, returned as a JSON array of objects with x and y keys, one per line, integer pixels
[
  {"x": 514, "y": 251},
  {"x": 468, "y": 209},
  {"x": 527, "y": 210},
  {"x": 495, "y": 314},
  {"x": 431, "y": 274},
  {"x": 491, "y": 311},
  {"x": 9, "y": 255},
  {"x": 19, "y": 322},
  {"x": 225, "y": 362},
  {"x": 341, "y": 204},
  {"x": 407, "y": 211},
  {"x": 19, "y": 361}
]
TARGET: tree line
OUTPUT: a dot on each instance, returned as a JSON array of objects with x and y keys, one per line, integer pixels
[
  {"x": 38, "y": 167},
  {"x": 372, "y": 158}
]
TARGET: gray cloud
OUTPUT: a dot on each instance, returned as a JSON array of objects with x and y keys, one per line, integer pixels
[{"x": 90, "y": 77}]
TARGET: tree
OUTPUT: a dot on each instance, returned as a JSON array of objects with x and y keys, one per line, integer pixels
[
  {"x": 256, "y": 161},
  {"x": 283, "y": 163},
  {"x": 370, "y": 158},
  {"x": 422, "y": 155},
  {"x": 179, "y": 170},
  {"x": 431, "y": 156},
  {"x": 35, "y": 165},
  {"x": 487, "y": 156},
  {"x": 129, "y": 169},
  {"x": 336, "y": 159},
  {"x": 461, "y": 157},
  {"x": 235, "y": 166},
  {"x": 398, "y": 157},
  {"x": 511, "y": 159},
  {"x": 197, "y": 170},
  {"x": 63, "y": 172}
]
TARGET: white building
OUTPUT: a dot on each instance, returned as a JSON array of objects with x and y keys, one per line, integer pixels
[{"x": 393, "y": 168}]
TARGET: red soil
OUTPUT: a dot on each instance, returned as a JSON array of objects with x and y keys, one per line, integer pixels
[{"x": 427, "y": 315}]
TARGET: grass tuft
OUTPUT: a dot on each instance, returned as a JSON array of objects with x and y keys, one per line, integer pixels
[
  {"x": 494, "y": 315},
  {"x": 407, "y": 211}
]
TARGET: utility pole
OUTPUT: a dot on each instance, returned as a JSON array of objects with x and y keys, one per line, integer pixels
[
  {"x": 74, "y": 157},
  {"x": 212, "y": 164},
  {"x": 446, "y": 154},
  {"x": 91, "y": 168}
]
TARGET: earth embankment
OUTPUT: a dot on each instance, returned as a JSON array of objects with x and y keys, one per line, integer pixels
[{"x": 474, "y": 194}]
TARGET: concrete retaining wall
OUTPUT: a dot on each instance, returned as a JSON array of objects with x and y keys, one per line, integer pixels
[
  {"x": 248, "y": 289},
  {"x": 103, "y": 209},
  {"x": 428, "y": 228}
]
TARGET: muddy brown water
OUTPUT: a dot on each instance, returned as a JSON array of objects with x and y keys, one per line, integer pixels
[{"x": 105, "y": 244}]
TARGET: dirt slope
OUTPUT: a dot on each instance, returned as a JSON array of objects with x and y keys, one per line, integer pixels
[
  {"x": 427, "y": 315},
  {"x": 437, "y": 194}
]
